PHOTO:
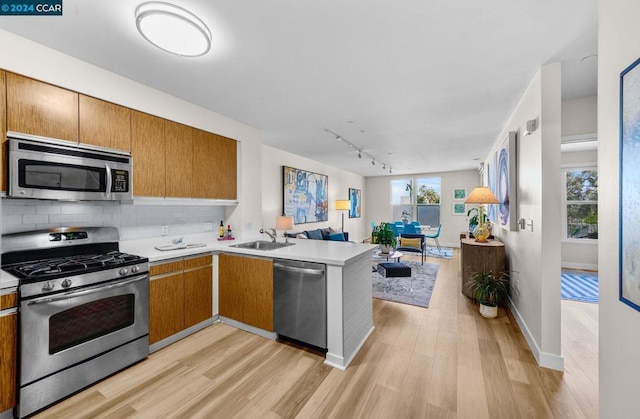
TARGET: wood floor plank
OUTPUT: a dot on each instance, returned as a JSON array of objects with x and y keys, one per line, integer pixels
[{"x": 442, "y": 362}]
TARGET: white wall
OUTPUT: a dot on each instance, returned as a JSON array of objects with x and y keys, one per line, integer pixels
[
  {"x": 534, "y": 257},
  {"x": 378, "y": 201},
  {"x": 579, "y": 117},
  {"x": 339, "y": 183},
  {"x": 24, "y": 57},
  {"x": 619, "y": 363}
]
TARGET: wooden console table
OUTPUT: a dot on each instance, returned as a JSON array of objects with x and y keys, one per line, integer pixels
[{"x": 476, "y": 256}]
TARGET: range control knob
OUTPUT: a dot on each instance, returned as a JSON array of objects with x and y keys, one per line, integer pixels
[
  {"x": 124, "y": 271},
  {"x": 66, "y": 283},
  {"x": 135, "y": 269},
  {"x": 48, "y": 286}
]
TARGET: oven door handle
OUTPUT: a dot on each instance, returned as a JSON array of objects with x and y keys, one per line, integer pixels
[
  {"x": 107, "y": 193},
  {"x": 87, "y": 291}
]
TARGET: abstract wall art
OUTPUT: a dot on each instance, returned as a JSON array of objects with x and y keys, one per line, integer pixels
[
  {"x": 490, "y": 181},
  {"x": 629, "y": 250},
  {"x": 506, "y": 183},
  {"x": 355, "y": 197},
  {"x": 305, "y": 195}
]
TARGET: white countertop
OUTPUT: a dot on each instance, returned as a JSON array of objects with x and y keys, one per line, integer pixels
[{"x": 321, "y": 251}]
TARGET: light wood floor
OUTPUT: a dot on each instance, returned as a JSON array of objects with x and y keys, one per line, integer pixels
[{"x": 441, "y": 362}]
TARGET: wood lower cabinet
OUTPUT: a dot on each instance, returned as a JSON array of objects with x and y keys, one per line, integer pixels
[
  {"x": 245, "y": 290},
  {"x": 104, "y": 124},
  {"x": 38, "y": 108},
  {"x": 476, "y": 256},
  {"x": 8, "y": 345},
  {"x": 180, "y": 295}
]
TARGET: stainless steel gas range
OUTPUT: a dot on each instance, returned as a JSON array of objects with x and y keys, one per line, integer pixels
[{"x": 83, "y": 310}]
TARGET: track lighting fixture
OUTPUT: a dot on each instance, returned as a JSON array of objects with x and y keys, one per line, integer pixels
[{"x": 341, "y": 139}]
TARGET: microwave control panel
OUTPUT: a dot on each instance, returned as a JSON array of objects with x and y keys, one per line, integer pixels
[{"x": 120, "y": 180}]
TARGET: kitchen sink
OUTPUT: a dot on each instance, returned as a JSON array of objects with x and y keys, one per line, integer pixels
[
  {"x": 179, "y": 246},
  {"x": 261, "y": 245}
]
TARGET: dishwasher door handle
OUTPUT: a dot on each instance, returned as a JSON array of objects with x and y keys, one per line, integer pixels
[{"x": 298, "y": 270}]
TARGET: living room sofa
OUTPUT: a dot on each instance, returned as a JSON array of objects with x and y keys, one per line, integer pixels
[{"x": 321, "y": 234}]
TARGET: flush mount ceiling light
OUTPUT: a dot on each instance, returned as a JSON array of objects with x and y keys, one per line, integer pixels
[{"x": 173, "y": 29}]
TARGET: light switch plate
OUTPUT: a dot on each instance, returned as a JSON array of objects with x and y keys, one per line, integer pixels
[
  {"x": 164, "y": 230},
  {"x": 208, "y": 226},
  {"x": 529, "y": 225}
]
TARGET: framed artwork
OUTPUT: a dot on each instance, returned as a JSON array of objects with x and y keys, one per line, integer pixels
[
  {"x": 490, "y": 181},
  {"x": 458, "y": 208},
  {"x": 305, "y": 195},
  {"x": 506, "y": 183},
  {"x": 355, "y": 198},
  {"x": 629, "y": 250},
  {"x": 459, "y": 194}
]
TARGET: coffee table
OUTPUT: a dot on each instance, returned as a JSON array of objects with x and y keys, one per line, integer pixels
[{"x": 395, "y": 255}]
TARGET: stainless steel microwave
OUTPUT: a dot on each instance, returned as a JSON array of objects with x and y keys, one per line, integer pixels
[{"x": 45, "y": 168}]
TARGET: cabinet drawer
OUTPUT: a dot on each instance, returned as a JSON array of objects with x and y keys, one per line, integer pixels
[
  {"x": 8, "y": 300},
  {"x": 197, "y": 262},
  {"x": 163, "y": 268}
]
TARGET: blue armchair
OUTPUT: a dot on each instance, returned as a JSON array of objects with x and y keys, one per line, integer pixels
[
  {"x": 435, "y": 237},
  {"x": 413, "y": 243}
]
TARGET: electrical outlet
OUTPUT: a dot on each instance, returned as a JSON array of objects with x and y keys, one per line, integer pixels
[
  {"x": 164, "y": 230},
  {"x": 208, "y": 226},
  {"x": 248, "y": 225}
]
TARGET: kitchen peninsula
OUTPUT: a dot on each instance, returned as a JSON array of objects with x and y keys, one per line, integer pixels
[{"x": 348, "y": 267}]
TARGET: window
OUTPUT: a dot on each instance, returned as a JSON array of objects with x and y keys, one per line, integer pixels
[
  {"x": 423, "y": 205},
  {"x": 580, "y": 203}
]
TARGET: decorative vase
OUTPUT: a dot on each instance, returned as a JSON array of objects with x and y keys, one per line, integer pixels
[
  {"x": 488, "y": 312},
  {"x": 481, "y": 233},
  {"x": 385, "y": 249}
]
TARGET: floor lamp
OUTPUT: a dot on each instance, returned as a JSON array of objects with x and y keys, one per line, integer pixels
[
  {"x": 343, "y": 205},
  {"x": 481, "y": 195}
]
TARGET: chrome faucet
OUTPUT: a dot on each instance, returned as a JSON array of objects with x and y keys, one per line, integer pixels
[{"x": 269, "y": 233}]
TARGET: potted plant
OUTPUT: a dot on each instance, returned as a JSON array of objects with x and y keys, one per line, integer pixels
[
  {"x": 489, "y": 290},
  {"x": 384, "y": 236}
]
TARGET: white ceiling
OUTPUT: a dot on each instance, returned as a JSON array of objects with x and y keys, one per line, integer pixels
[{"x": 424, "y": 86}]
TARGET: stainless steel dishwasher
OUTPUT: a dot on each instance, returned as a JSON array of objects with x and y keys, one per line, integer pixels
[{"x": 300, "y": 301}]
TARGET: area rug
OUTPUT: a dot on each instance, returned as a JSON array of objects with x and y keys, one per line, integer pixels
[
  {"x": 579, "y": 286},
  {"x": 443, "y": 252},
  {"x": 415, "y": 290}
]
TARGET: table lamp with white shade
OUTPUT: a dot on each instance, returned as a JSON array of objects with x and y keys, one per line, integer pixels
[
  {"x": 284, "y": 222},
  {"x": 481, "y": 196}
]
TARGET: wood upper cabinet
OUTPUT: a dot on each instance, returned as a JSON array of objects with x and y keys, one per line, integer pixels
[
  {"x": 180, "y": 295},
  {"x": 104, "y": 124},
  {"x": 38, "y": 108},
  {"x": 214, "y": 166},
  {"x": 148, "y": 152},
  {"x": 3, "y": 131},
  {"x": 245, "y": 290},
  {"x": 179, "y": 160}
]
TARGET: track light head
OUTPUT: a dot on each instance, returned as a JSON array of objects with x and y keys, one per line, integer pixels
[
  {"x": 383, "y": 166},
  {"x": 359, "y": 154},
  {"x": 373, "y": 162},
  {"x": 390, "y": 170}
]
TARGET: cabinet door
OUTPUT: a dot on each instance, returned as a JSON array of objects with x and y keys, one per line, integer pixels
[
  {"x": 41, "y": 109},
  {"x": 8, "y": 339},
  {"x": 104, "y": 124},
  {"x": 179, "y": 160},
  {"x": 230, "y": 287},
  {"x": 148, "y": 152},
  {"x": 198, "y": 292},
  {"x": 3, "y": 131},
  {"x": 214, "y": 166},
  {"x": 258, "y": 293},
  {"x": 166, "y": 306}
]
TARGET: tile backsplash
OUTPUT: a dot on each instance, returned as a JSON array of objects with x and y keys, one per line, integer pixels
[{"x": 133, "y": 221}]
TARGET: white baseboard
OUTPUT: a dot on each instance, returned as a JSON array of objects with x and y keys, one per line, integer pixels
[
  {"x": 547, "y": 360},
  {"x": 582, "y": 266}
]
